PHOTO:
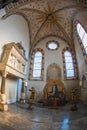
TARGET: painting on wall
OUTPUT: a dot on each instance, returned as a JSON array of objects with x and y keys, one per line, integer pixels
[{"x": 53, "y": 71}]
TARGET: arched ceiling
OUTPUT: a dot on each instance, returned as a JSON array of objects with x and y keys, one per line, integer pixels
[{"x": 49, "y": 18}]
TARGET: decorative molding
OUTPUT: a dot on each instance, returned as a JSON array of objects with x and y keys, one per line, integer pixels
[
  {"x": 12, "y": 6},
  {"x": 50, "y": 41},
  {"x": 32, "y": 63},
  {"x": 15, "y": 5},
  {"x": 13, "y": 61}
]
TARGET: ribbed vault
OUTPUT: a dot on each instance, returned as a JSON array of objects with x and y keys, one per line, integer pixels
[{"x": 49, "y": 18}]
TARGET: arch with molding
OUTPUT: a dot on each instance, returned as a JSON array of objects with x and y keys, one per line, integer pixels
[{"x": 53, "y": 71}]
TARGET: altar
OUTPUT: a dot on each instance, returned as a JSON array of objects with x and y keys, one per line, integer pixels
[{"x": 54, "y": 94}]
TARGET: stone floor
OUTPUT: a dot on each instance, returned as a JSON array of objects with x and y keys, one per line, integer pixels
[{"x": 41, "y": 118}]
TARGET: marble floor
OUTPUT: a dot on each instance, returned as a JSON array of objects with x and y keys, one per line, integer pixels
[{"x": 19, "y": 117}]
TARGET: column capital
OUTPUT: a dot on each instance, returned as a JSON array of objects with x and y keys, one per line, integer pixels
[
  {"x": 23, "y": 80},
  {"x": 4, "y": 74}
]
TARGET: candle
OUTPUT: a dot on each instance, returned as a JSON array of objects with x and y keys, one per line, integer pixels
[
  {"x": 80, "y": 83},
  {"x": 25, "y": 83}
]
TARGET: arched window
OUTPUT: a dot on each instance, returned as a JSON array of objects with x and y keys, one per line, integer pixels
[
  {"x": 69, "y": 64},
  {"x": 37, "y": 65},
  {"x": 36, "y": 70},
  {"x": 83, "y": 36}
]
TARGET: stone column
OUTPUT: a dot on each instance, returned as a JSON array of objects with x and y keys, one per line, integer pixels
[
  {"x": 22, "y": 99},
  {"x": 3, "y": 105}
]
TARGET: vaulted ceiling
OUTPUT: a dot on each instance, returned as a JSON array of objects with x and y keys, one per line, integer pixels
[{"x": 47, "y": 18}]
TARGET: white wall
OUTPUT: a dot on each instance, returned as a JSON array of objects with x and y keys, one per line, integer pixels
[{"x": 13, "y": 29}]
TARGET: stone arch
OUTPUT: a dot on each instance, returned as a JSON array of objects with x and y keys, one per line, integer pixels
[{"x": 53, "y": 71}]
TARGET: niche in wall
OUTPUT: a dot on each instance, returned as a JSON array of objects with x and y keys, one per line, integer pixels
[{"x": 53, "y": 71}]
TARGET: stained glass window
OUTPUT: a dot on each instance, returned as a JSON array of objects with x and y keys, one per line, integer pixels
[
  {"x": 37, "y": 65},
  {"x": 83, "y": 36},
  {"x": 69, "y": 64}
]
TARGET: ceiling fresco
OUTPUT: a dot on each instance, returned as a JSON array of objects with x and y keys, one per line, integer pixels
[{"x": 48, "y": 18}]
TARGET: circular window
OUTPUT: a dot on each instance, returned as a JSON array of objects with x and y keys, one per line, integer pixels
[{"x": 52, "y": 45}]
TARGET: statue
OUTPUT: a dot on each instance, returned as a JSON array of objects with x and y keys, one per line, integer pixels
[
  {"x": 53, "y": 96},
  {"x": 54, "y": 92},
  {"x": 31, "y": 98},
  {"x": 74, "y": 98}
]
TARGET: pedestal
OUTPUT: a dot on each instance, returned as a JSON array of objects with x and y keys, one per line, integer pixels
[
  {"x": 54, "y": 104},
  {"x": 3, "y": 107},
  {"x": 74, "y": 107},
  {"x": 22, "y": 99}
]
